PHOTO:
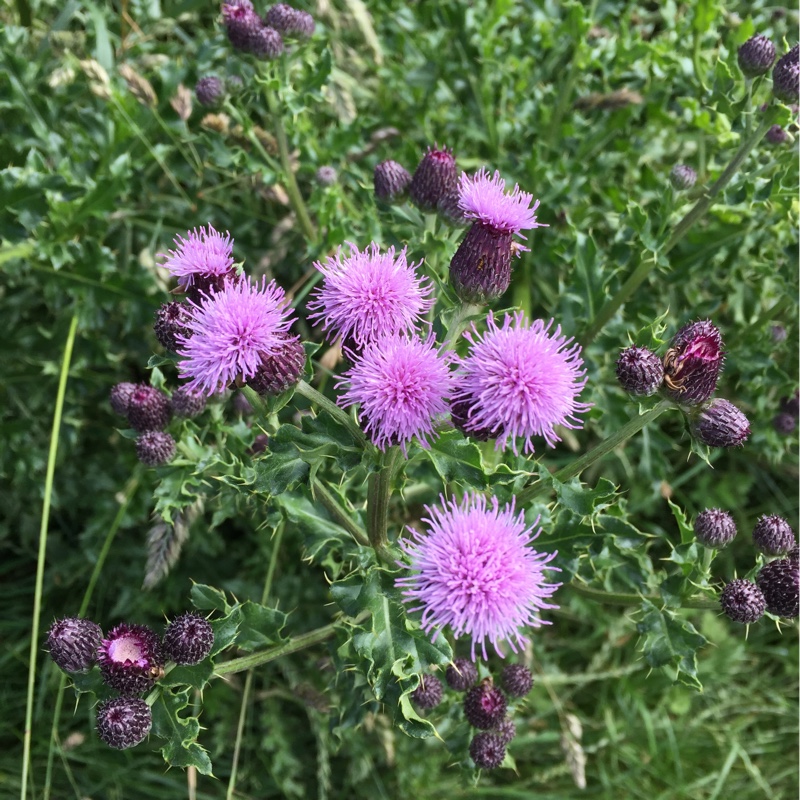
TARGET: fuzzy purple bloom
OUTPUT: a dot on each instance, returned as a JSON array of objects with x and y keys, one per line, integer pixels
[
  {"x": 209, "y": 90},
  {"x": 241, "y": 23},
  {"x": 369, "y": 294},
  {"x": 485, "y": 199},
  {"x": 202, "y": 254},
  {"x": 520, "y": 380},
  {"x": 474, "y": 571},
  {"x": 402, "y": 385},
  {"x": 682, "y": 177},
  {"x": 232, "y": 332}
]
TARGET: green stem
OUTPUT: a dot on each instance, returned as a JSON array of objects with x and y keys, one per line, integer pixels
[
  {"x": 638, "y": 276},
  {"x": 632, "y": 599},
  {"x": 748, "y": 108},
  {"x": 20, "y": 250},
  {"x": 597, "y": 452},
  {"x": 458, "y": 322},
  {"x": 311, "y": 394},
  {"x": 37, "y": 598},
  {"x": 340, "y": 516},
  {"x": 379, "y": 489}
]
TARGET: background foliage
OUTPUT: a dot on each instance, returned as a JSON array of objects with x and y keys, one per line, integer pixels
[{"x": 588, "y": 107}]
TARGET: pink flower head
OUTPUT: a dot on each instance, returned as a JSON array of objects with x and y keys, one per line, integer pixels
[
  {"x": 520, "y": 380},
  {"x": 474, "y": 571},
  {"x": 202, "y": 253},
  {"x": 485, "y": 199},
  {"x": 369, "y": 294},
  {"x": 402, "y": 385},
  {"x": 231, "y": 332}
]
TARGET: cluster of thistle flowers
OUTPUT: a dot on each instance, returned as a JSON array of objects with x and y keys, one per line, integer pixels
[
  {"x": 777, "y": 584},
  {"x": 486, "y": 706},
  {"x": 131, "y": 659},
  {"x": 688, "y": 374}
]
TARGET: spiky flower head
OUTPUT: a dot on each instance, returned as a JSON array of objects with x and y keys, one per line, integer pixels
[
  {"x": 155, "y": 448},
  {"x": 784, "y": 423},
  {"x": 794, "y": 555},
  {"x": 640, "y": 371},
  {"x": 484, "y": 199},
  {"x": 714, "y": 528},
  {"x": 120, "y": 397},
  {"x": 780, "y": 582},
  {"x": 241, "y": 23},
  {"x": 209, "y": 91},
  {"x": 435, "y": 176},
  {"x": 721, "y": 424},
  {"x": 391, "y": 180},
  {"x": 756, "y": 56},
  {"x": 516, "y": 680},
  {"x": 187, "y": 403},
  {"x": 448, "y": 206},
  {"x": 487, "y": 750},
  {"x": 280, "y": 371},
  {"x": 786, "y": 76},
  {"x": 682, "y": 177},
  {"x": 693, "y": 362},
  {"x": 742, "y": 601},
  {"x": 773, "y": 535},
  {"x": 461, "y": 674},
  {"x": 123, "y": 722},
  {"x": 130, "y": 658},
  {"x": 201, "y": 261},
  {"x": 326, "y": 176},
  {"x": 472, "y": 568},
  {"x": 429, "y": 693},
  {"x": 521, "y": 380},
  {"x": 776, "y": 135},
  {"x": 172, "y": 320},
  {"x": 290, "y": 21},
  {"x": 73, "y": 642},
  {"x": 266, "y": 44},
  {"x": 188, "y": 639},
  {"x": 148, "y": 409},
  {"x": 233, "y": 331},
  {"x": 368, "y": 294},
  {"x": 485, "y": 705},
  {"x": 506, "y": 730},
  {"x": 402, "y": 385}
]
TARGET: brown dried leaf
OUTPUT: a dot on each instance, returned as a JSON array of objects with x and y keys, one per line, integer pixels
[
  {"x": 182, "y": 102},
  {"x": 612, "y": 100},
  {"x": 139, "y": 86}
]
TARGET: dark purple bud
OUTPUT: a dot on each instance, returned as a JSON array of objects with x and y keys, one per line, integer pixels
[
  {"x": 260, "y": 444},
  {"x": 742, "y": 601},
  {"x": 485, "y": 705},
  {"x": 188, "y": 639},
  {"x": 266, "y": 44},
  {"x": 187, "y": 403},
  {"x": 721, "y": 424},
  {"x": 460, "y": 415},
  {"x": 714, "y": 528},
  {"x": 693, "y": 363},
  {"x": 391, "y": 181},
  {"x": 130, "y": 658},
  {"x": 778, "y": 333},
  {"x": 242, "y": 24},
  {"x": 640, "y": 371},
  {"x": 794, "y": 555},
  {"x": 450, "y": 209},
  {"x": 123, "y": 722},
  {"x": 682, "y": 177},
  {"x": 326, "y": 176},
  {"x": 786, "y": 76},
  {"x": 461, "y": 675},
  {"x": 777, "y": 135},
  {"x": 791, "y": 405},
  {"x": 517, "y": 680},
  {"x": 784, "y": 423},
  {"x": 120, "y": 397},
  {"x": 210, "y": 91},
  {"x": 155, "y": 448},
  {"x": 506, "y": 730},
  {"x": 434, "y": 178},
  {"x": 487, "y": 750},
  {"x": 290, "y": 21},
  {"x": 480, "y": 270},
  {"x": 172, "y": 321},
  {"x": 780, "y": 583},
  {"x": 773, "y": 535},
  {"x": 756, "y": 56},
  {"x": 148, "y": 409},
  {"x": 281, "y": 371},
  {"x": 429, "y": 692},
  {"x": 73, "y": 643}
]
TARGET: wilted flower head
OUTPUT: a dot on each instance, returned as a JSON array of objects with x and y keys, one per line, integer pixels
[
  {"x": 402, "y": 385},
  {"x": 485, "y": 199},
  {"x": 232, "y": 331},
  {"x": 202, "y": 254},
  {"x": 521, "y": 380},
  {"x": 473, "y": 569},
  {"x": 693, "y": 362},
  {"x": 756, "y": 56},
  {"x": 369, "y": 294}
]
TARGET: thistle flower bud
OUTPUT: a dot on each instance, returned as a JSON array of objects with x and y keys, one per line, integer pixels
[
  {"x": 714, "y": 528},
  {"x": 391, "y": 181},
  {"x": 290, "y": 21},
  {"x": 461, "y": 675},
  {"x": 693, "y": 363},
  {"x": 791, "y": 405},
  {"x": 773, "y": 535},
  {"x": 786, "y": 76},
  {"x": 187, "y": 403},
  {"x": 130, "y": 658},
  {"x": 434, "y": 178},
  {"x": 780, "y": 583},
  {"x": 721, "y": 424},
  {"x": 639, "y": 371},
  {"x": 148, "y": 409},
  {"x": 742, "y": 601},
  {"x": 480, "y": 270},
  {"x": 73, "y": 643},
  {"x": 449, "y": 207},
  {"x": 188, "y": 639},
  {"x": 242, "y": 24},
  {"x": 429, "y": 692},
  {"x": 756, "y": 56},
  {"x": 209, "y": 91},
  {"x": 778, "y": 333},
  {"x": 517, "y": 680},
  {"x": 506, "y": 730},
  {"x": 485, "y": 705},
  {"x": 460, "y": 415},
  {"x": 120, "y": 397},
  {"x": 266, "y": 44},
  {"x": 155, "y": 448},
  {"x": 784, "y": 423},
  {"x": 776, "y": 135},
  {"x": 280, "y": 371},
  {"x": 326, "y": 176},
  {"x": 123, "y": 722},
  {"x": 487, "y": 750},
  {"x": 172, "y": 320},
  {"x": 682, "y": 177}
]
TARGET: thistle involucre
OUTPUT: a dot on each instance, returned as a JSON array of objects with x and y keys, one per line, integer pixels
[{"x": 473, "y": 569}]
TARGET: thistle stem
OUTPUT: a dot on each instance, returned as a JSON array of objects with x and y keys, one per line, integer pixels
[
  {"x": 319, "y": 399},
  {"x": 379, "y": 489},
  {"x": 458, "y": 322},
  {"x": 339, "y": 514},
  {"x": 632, "y": 599}
]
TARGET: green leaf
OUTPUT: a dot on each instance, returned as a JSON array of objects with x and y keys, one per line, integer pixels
[
  {"x": 226, "y": 630},
  {"x": 181, "y": 749},
  {"x": 584, "y": 501},
  {"x": 457, "y": 459},
  {"x": 260, "y": 626},
  {"x": 686, "y": 530},
  {"x": 207, "y": 598},
  {"x": 196, "y": 676}
]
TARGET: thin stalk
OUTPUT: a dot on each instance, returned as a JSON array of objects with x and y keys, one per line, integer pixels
[
  {"x": 597, "y": 452},
  {"x": 632, "y": 599},
  {"x": 698, "y": 210},
  {"x": 379, "y": 490},
  {"x": 311, "y": 394},
  {"x": 37, "y": 597},
  {"x": 248, "y": 683},
  {"x": 130, "y": 490},
  {"x": 340, "y": 516},
  {"x": 458, "y": 322}
]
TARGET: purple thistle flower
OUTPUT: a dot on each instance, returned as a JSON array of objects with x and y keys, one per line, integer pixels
[
  {"x": 474, "y": 571},
  {"x": 203, "y": 253},
  {"x": 130, "y": 658},
  {"x": 402, "y": 385},
  {"x": 693, "y": 362},
  {"x": 232, "y": 331},
  {"x": 520, "y": 380},
  {"x": 241, "y": 23},
  {"x": 485, "y": 200},
  {"x": 370, "y": 294},
  {"x": 209, "y": 91},
  {"x": 434, "y": 177},
  {"x": 390, "y": 180}
]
